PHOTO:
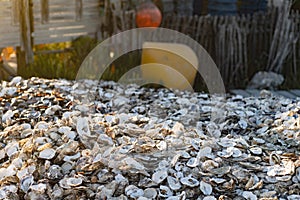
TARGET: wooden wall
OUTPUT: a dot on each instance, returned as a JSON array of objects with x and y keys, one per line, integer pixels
[
  {"x": 9, "y": 25},
  {"x": 58, "y": 21},
  {"x": 28, "y": 22}
]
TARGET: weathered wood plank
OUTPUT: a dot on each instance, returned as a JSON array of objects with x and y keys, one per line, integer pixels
[
  {"x": 6, "y": 13},
  {"x": 68, "y": 19},
  {"x": 7, "y": 21},
  {"x": 65, "y": 29},
  {"x": 39, "y": 35},
  {"x": 87, "y": 12},
  {"x": 62, "y": 18},
  {"x": 61, "y": 38},
  {"x": 15, "y": 38},
  {"x": 94, "y": 5},
  {"x": 44, "y": 11},
  {"x": 68, "y": 22},
  {"x": 11, "y": 36},
  {"x": 8, "y": 27},
  {"x": 8, "y": 69},
  {"x": 25, "y": 30},
  {"x": 9, "y": 43},
  {"x": 78, "y": 10},
  {"x": 59, "y": 2}
]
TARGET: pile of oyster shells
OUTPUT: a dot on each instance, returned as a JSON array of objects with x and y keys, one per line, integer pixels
[{"x": 101, "y": 140}]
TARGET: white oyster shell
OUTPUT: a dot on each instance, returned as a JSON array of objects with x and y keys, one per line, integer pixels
[
  {"x": 74, "y": 181},
  {"x": 205, "y": 152},
  {"x": 39, "y": 188},
  {"x": 249, "y": 195},
  {"x": 67, "y": 183},
  {"x": 52, "y": 109},
  {"x": 174, "y": 183},
  {"x": 189, "y": 181},
  {"x": 256, "y": 150},
  {"x": 165, "y": 191},
  {"x": 133, "y": 192},
  {"x": 205, "y": 188},
  {"x": 288, "y": 168},
  {"x": 26, "y": 182},
  {"x": 150, "y": 193},
  {"x": 193, "y": 162},
  {"x": 293, "y": 197},
  {"x": 209, "y": 198},
  {"x": 15, "y": 81},
  {"x": 7, "y": 172},
  {"x": 47, "y": 154},
  {"x": 82, "y": 127},
  {"x": 159, "y": 176},
  {"x": 5, "y": 191}
]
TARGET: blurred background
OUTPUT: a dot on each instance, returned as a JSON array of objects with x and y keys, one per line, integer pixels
[{"x": 50, "y": 39}]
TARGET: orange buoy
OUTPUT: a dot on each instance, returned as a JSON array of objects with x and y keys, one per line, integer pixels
[{"x": 148, "y": 15}]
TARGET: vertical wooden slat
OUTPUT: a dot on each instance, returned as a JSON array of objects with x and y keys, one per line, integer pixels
[
  {"x": 15, "y": 12},
  {"x": 31, "y": 26},
  {"x": 245, "y": 45},
  {"x": 44, "y": 11},
  {"x": 79, "y": 10},
  {"x": 295, "y": 18},
  {"x": 25, "y": 54},
  {"x": 198, "y": 29}
]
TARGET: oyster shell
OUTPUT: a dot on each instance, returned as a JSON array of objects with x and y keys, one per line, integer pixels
[
  {"x": 159, "y": 176},
  {"x": 26, "y": 182},
  {"x": 165, "y": 191},
  {"x": 150, "y": 193},
  {"x": 133, "y": 191},
  {"x": 173, "y": 183},
  {"x": 47, "y": 154},
  {"x": 90, "y": 139},
  {"x": 189, "y": 181},
  {"x": 249, "y": 195},
  {"x": 205, "y": 188}
]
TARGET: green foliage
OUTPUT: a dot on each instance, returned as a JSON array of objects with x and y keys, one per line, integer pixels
[
  {"x": 62, "y": 60},
  {"x": 59, "y": 60},
  {"x": 122, "y": 65}
]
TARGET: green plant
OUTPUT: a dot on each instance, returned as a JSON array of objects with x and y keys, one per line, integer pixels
[
  {"x": 122, "y": 65},
  {"x": 59, "y": 60},
  {"x": 62, "y": 60}
]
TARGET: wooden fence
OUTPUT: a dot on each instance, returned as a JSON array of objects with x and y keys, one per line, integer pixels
[
  {"x": 28, "y": 22},
  {"x": 10, "y": 28},
  {"x": 240, "y": 45},
  {"x": 243, "y": 44}
]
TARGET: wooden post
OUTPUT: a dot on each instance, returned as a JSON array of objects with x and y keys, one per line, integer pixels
[
  {"x": 21, "y": 61},
  {"x": 25, "y": 52},
  {"x": 107, "y": 26}
]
